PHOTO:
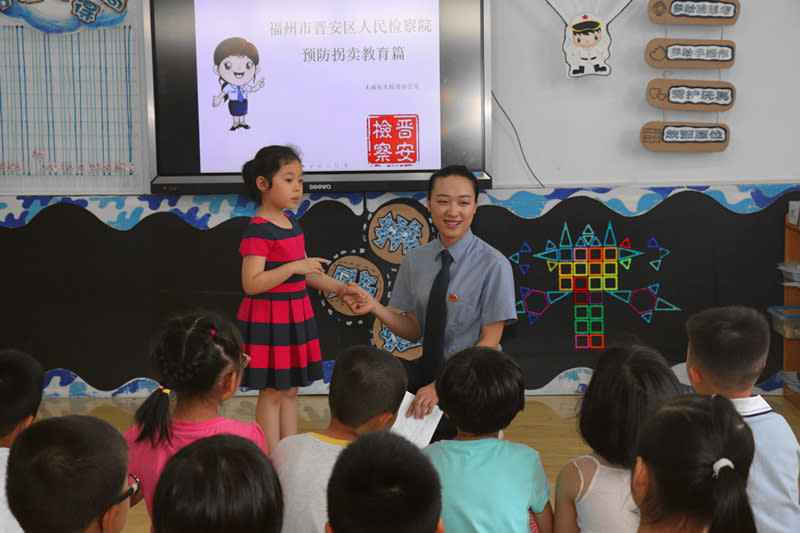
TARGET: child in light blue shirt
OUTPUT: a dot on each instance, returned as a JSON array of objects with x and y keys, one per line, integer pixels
[{"x": 488, "y": 484}]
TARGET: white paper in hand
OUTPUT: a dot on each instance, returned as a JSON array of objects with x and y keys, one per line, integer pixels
[{"x": 417, "y": 430}]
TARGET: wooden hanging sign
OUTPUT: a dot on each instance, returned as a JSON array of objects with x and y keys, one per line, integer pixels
[
  {"x": 684, "y": 137},
  {"x": 689, "y": 53},
  {"x": 690, "y": 95},
  {"x": 707, "y": 13}
]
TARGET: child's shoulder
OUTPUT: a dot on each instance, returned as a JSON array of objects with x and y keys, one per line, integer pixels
[
  {"x": 491, "y": 445},
  {"x": 520, "y": 449},
  {"x": 771, "y": 426}
]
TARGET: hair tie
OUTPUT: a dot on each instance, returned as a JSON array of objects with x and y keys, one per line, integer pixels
[
  {"x": 165, "y": 391},
  {"x": 213, "y": 332},
  {"x": 720, "y": 464}
]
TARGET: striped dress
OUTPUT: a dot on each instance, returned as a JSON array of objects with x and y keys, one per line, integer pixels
[{"x": 278, "y": 327}]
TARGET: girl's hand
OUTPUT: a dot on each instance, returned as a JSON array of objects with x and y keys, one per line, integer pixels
[
  {"x": 309, "y": 265},
  {"x": 217, "y": 99}
]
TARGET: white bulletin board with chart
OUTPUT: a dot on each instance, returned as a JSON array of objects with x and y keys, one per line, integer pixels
[{"x": 72, "y": 102}]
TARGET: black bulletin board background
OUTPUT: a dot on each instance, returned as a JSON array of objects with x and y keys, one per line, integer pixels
[{"x": 82, "y": 296}]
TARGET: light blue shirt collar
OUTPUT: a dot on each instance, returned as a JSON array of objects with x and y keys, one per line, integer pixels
[{"x": 458, "y": 249}]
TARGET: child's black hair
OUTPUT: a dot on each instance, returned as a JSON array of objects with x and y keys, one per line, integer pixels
[
  {"x": 730, "y": 344},
  {"x": 481, "y": 390},
  {"x": 628, "y": 381},
  {"x": 188, "y": 359},
  {"x": 366, "y": 382},
  {"x": 382, "y": 482},
  {"x": 267, "y": 162},
  {"x": 217, "y": 484},
  {"x": 21, "y": 383},
  {"x": 453, "y": 170},
  {"x": 65, "y": 472},
  {"x": 680, "y": 442}
]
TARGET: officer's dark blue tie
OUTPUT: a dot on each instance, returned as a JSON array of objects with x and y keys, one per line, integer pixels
[{"x": 435, "y": 321}]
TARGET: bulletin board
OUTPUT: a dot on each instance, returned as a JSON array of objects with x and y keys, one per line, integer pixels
[{"x": 72, "y": 97}]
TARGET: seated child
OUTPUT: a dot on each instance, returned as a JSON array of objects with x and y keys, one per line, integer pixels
[
  {"x": 728, "y": 348},
  {"x": 382, "y": 483},
  {"x": 488, "y": 485},
  {"x": 199, "y": 361},
  {"x": 692, "y": 460},
  {"x": 218, "y": 484},
  {"x": 366, "y": 389},
  {"x": 70, "y": 475},
  {"x": 21, "y": 383},
  {"x": 593, "y": 492}
]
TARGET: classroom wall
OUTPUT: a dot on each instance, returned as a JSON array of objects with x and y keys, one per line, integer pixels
[
  {"x": 572, "y": 131},
  {"x": 586, "y": 131},
  {"x": 93, "y": 275}
]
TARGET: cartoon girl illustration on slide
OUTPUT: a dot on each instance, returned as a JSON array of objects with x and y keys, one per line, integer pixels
[
  {"x": 236, "y": 64},
  {"x": 586, "y": 36}
]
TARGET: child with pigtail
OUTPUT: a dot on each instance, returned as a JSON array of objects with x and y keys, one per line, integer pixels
[{"x": 199, "y": 362}]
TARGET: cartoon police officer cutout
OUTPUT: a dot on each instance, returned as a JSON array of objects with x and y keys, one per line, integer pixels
[
  {"x": 586, "y": 47},
  {"x": 586, "y": 37},
  {"x": 236, "y": 64}
]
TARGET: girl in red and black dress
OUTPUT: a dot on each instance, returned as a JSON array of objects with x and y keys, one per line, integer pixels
[{"x": 275, "y": 317}]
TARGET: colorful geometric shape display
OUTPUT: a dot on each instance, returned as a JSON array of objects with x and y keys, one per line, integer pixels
[{"x": 589, "y": 269}]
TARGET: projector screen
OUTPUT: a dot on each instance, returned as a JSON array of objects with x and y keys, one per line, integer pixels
[{"x": 375, "y": 95}]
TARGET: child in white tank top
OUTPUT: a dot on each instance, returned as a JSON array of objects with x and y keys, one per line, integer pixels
[{"x": 593, "y": 492}]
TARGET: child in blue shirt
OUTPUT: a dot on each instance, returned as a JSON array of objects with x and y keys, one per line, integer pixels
[{"x": 488, "y": 484}]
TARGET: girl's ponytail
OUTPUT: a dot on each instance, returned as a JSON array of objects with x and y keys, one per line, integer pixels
[
  {"x": 153, "y": 417},
  {"x": 250, "y": 175},
  {"x": 731, "y": 513}
]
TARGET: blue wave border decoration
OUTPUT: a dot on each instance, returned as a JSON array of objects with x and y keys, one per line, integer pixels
[
  {"x": 62, "y": 383},
  {"x": 124, "y": 212},
  {"x": 208, "y": 211}
]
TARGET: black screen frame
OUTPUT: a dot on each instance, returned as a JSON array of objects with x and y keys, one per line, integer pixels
[{"x": 465, "y": 108}]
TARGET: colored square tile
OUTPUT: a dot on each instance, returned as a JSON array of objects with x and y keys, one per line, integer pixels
[
  {"x": 597, "y": 341},
  {"x": 581, "y": 341}
]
